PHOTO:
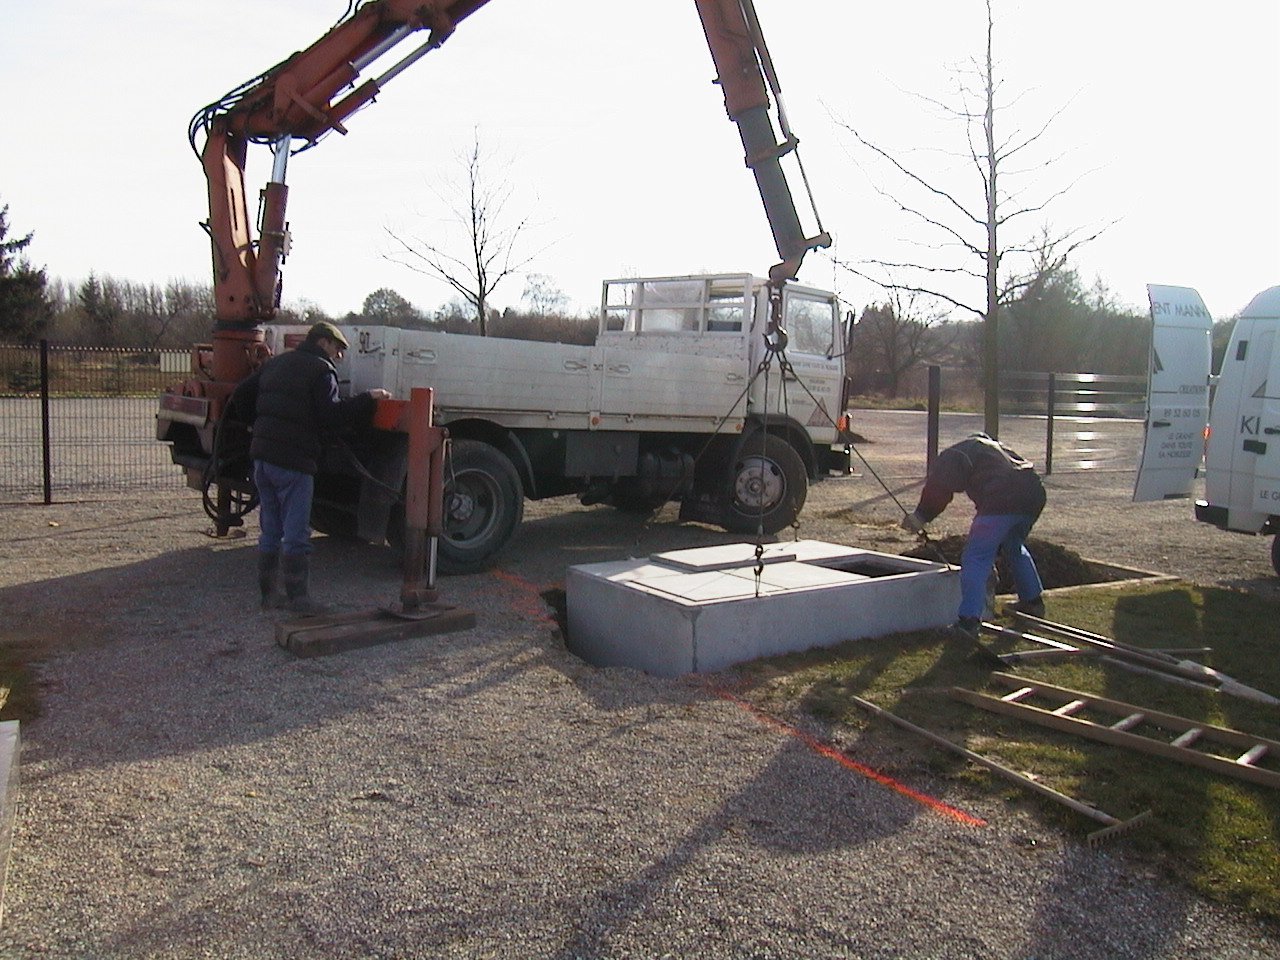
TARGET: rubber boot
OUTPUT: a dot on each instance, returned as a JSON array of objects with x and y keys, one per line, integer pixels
[
  {"x": 269, "y": 580},
  {"x": 297, "y": 576}
]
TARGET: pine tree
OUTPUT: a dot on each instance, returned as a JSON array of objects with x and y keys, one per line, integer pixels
[{"x": 24, "y": 308}]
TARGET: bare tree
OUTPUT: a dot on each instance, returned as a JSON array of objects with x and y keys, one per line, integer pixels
[
  {"x": 972, "y": 247},
  {"x": 892, "y": 337},
  {"x": 542, "y": 295},
  {"x": 487, "y": 248},
  {"x": 176, "y": 313}
]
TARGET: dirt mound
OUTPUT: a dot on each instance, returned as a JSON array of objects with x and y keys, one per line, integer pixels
[{"x": 1058, "y": 566}]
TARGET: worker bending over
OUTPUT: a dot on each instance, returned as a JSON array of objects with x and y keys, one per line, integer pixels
[
  {"x": 1009, "y": 497},
  {"x": 292, "y": 405}
]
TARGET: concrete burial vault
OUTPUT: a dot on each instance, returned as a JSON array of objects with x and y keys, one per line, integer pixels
[{"x": 701, "y": 610}]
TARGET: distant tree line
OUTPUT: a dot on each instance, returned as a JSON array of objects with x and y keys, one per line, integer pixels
[
  {"x": 107, "y": 311},
  {"x": 542, "y": 317},
  {"x": 1054, "y": 324}
]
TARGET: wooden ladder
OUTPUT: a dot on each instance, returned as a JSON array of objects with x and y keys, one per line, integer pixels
[{"x": 1249, "y": 749}]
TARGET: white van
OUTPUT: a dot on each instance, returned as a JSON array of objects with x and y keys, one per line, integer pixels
[{"x": 1242, "y": 452}]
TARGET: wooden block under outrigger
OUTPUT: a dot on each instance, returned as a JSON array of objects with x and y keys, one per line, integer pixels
[{"x": 325, "y": 635}]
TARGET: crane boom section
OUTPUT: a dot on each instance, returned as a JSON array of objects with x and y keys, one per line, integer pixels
[
  {"x": 743, "y": 67},
  {"x": 296, "y": 99}
]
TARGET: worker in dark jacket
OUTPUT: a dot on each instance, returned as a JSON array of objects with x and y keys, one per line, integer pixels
[
  {"x": 293, "y": 406},
  {"x": 1009, "y": 497}
]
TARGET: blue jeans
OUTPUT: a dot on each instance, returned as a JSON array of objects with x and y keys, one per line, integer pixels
[
  {"x": 284, "y": 509},
  {"x": 987, "y": 535}
]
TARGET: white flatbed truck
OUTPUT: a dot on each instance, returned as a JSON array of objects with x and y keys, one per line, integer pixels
[{"x": 680, "y": 399}]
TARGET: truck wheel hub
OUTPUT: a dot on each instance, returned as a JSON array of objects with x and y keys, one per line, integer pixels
[
  {"x": 759, "y": 482},
  {"x": 461, "y": 507}
]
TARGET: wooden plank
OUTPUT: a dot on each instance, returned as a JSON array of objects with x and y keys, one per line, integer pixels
[
  {"x": 1094, "y": 639},
  {"x": 1187, "y": 669},
  {"x": 1159, "y": 674},
  {"x": 322, "y": 636},
  {"x": 1120, "y": 738},
  {"x": 1030, "y": 638},
  {"x": 1016, "y": 657},
  {"x": 1034, "y": 785}
]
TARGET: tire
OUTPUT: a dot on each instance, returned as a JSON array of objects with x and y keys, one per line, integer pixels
[
  {"x": 1275, "y": 554},
  {"x": 767, "y": 486},
  {"x": 483, "y": 506}
]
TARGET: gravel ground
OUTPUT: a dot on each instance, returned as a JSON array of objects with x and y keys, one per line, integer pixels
[{"x": 192, "y": 790}]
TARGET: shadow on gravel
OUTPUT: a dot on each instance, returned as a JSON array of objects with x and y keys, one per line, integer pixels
[
  {"x": 548, "y": 545},
  {"x": 171, "y": 654},
  {"x": 799, "y": 805}
]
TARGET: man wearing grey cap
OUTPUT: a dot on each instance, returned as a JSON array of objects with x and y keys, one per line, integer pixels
[{"x": 293, "y": 407}]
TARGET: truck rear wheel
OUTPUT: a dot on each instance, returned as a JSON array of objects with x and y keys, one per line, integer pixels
[
  {"x": 483, "y": 506},
  {"x": 1275, "y": 554},
  {"x": 767, "y": 486}
]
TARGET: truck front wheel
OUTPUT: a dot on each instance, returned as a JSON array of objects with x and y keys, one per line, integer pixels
[
  {"x": 767, "y": 486},
  {"x": 483, "y": 505}
]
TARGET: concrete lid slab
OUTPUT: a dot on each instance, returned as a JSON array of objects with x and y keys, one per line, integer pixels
[
  {"x": 725, "y": 556},
  {"x": 711, "y": 586}
]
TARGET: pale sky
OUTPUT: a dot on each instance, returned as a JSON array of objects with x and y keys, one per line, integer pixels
[{"x": 617, "y": 145}]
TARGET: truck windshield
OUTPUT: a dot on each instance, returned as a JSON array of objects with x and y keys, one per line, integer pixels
[{"x": 810, "y": 323}]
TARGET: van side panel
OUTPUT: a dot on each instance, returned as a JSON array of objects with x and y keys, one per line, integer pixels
[{"x": 1236, "y": 435}]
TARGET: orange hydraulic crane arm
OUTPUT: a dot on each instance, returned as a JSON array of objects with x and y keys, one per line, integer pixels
[
  {"x": 296, "y": 100},
  {"x": 292, "y": 100}
]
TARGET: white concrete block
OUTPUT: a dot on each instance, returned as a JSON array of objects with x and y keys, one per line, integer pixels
[
  {"x": 702, "y": 610},
  {"x": 9, "y": 748}
]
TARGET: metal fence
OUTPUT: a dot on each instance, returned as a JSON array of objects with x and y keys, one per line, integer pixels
[
  {"x": 1088, "y": 417},
  {"x": 81, "y": 420}
]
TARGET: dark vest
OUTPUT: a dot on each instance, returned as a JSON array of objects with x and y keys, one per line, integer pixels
[{"x": 293, "y": 404}]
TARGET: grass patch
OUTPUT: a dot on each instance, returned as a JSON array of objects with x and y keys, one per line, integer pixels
[{"x": 1218, "y": 835}]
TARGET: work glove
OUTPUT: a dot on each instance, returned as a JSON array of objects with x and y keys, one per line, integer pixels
[{"x": 913, "y": 522}]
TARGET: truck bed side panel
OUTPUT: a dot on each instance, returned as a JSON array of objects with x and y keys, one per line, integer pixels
[
  {"x": 518, "y": 382},
  {"x": 672, "y": 388}
]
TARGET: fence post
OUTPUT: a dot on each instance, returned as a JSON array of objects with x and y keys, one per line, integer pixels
[
  {"x": 935, "y": 402},
  {"x": 1048, "y": 434},
  {"x": 44, "y": 421}
]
